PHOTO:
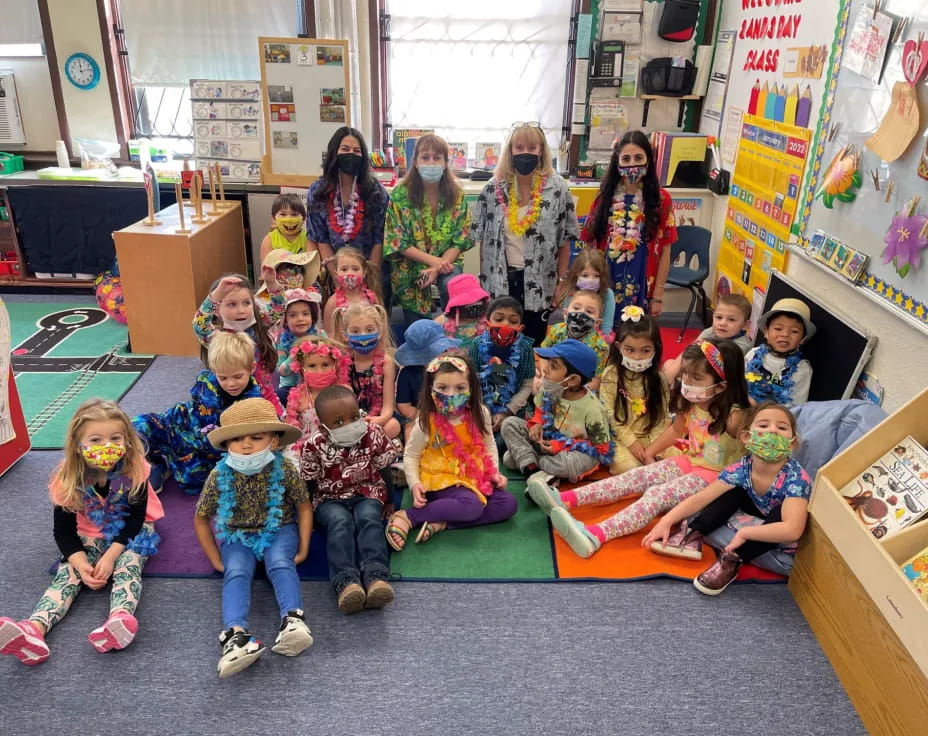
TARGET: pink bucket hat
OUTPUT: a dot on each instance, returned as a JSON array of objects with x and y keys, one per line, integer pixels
[{"x": 464, "y": 289}]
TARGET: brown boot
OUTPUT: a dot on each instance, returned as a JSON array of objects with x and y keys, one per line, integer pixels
[
  {"x": 351, "y": 598},
  {"x": 718, "y": 577},
  {"x": 379, "y": 594}
]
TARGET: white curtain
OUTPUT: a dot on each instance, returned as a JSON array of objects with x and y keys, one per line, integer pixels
[
  {"x": 471, "y": 69},
  {"x": 19, "y": 21},
  {"x": 345, "y": 20},
  {"x": 173, "y": 41}
]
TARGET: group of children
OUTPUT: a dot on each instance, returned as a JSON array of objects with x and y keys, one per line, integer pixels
[{"x": 300, "y": 410}]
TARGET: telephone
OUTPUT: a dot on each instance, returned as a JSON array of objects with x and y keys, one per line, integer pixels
[{"x": 608, "y": 61}]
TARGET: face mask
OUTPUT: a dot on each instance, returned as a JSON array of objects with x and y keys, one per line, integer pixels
[
  {"x": 696, "y": 393},
  {"x": 349, "y": 163},
  {"x": 554, "y": 389},
  {"x": 579, "y": 324},
  {"x": 103, "y": 457},
  {"x": 769, "y": 446},
  {"x": 291, "y": 277},
  {"x": 431, "y": 172},
  {"x": 250, "y": 464},
  {"x": 472, "y": 311},
  {"x": 320, "y": 380},
  {"x": 450, "y": 405},
  {"x": 364, "y": 344},
  {"x": 504, "y": 335},
  {"x": 632, "y": 173},
  {"x": 348, "y": 435},
  {"x": 525, "y": 163},
  {"x": 588, "y": 284},
  {"x": 349, "y": 281},
  {"x": 637, "y": 366},
  {"x": 238, "y": 325},
  {"x": 288, "y": 224}
]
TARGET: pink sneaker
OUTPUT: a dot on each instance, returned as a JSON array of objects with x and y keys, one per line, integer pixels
[
  {"x": 23, "y": 640},
  {"x": 683, "y": 542},
  {"x": 117, "y": 632}
]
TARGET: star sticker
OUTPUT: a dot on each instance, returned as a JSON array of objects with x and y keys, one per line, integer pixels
[
  {"x": 920, "y": 311},
  {"x": 889, "y": 292},
  {"x": 879, "y": 287},
  {"x": 898, "y": 298},
  {"x": 908, "y": 304},
  {"x": 871, "y": 280}
]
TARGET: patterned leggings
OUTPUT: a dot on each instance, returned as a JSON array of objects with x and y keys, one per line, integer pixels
[
  {"x": 662, "y": 486},
  {"x": 124, "y": 596}
]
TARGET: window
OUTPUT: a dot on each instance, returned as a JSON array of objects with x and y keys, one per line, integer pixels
[
  {"x": 471, "y": 69},
  {"x": 169, "y": 42}
]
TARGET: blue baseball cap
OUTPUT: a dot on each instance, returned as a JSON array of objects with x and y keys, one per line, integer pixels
[
  {"x": 424, "y": 340},
  {"x": 579, "y": 355}
]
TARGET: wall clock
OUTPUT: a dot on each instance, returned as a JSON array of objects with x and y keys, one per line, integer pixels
[{"x": 82, "y": 71}]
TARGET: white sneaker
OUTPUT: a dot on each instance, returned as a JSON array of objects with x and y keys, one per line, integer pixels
[
  {"x": 509, "y": 462},
  {"x": 294, "y": 635},
  {"x": 239, "y": 650}
]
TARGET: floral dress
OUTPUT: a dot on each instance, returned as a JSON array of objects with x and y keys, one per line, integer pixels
[{"x": 407, "y": 226}]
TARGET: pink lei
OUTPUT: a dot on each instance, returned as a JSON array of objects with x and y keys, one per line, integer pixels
[
  {"x": 341, "y": 298},
  {"x": 263, "y": 379},
  {"x": 480, "y": 469}
]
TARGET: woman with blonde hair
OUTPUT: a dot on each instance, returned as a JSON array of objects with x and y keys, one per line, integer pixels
[{"x": 523, "y": 221}]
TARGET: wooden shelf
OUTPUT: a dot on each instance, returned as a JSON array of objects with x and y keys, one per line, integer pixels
[{"x": 648, "y": 99}]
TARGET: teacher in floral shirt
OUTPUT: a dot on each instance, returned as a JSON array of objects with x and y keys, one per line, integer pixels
[
  {"x": 523, "y": 220},
  {"x": 427, "y": 229}
]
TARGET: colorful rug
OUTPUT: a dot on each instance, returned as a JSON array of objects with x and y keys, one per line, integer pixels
[{"x": 63, "y": 354}]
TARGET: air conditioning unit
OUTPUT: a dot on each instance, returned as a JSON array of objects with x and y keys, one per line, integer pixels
[{"x": 11, "y": 120}]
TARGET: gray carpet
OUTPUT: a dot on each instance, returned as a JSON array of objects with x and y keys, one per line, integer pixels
[{"x": 563, "y": 658}]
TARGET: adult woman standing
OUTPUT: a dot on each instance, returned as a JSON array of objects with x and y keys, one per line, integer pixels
[
  {"x": 523, "y": 220},
  {"x": 347, "y": 205},
  {"x": 427, "y": 229},
  {"x": 632, "y": 221}
]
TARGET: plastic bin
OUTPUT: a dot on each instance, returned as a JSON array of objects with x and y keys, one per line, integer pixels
[{"x": 10, "y": 163}]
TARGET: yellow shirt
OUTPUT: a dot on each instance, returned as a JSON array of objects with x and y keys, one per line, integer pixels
[
  {"x": 279, "y": 241},
  {"x": 439, "y": 467},
  {"x": 711, "y": 451}
]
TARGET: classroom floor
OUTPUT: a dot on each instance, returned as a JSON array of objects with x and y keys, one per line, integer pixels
[{"x": 650, "y": 657}]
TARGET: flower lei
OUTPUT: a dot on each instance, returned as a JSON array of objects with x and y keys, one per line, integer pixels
[
  {"x": 495, "y": 397},
  {"x": 260, "y": 541},
  {"x": 636, "y": 404},
  {"x": 760, "y": 383},
  {"x": 341, "y": 298},
  {"x": 347, "y": 223},
  {"x": 300, "y": 392},
  {"x": 441, "y": 234},
  {"x": 516, "y": 226},
  {"x": 451, "y": 328},
  {"x": 482, "y": 477},
  {"x": 625, "y": 226},
  {"x": 109, "y": 515},
  {"x": 550, "y": 432},
  {"x": 374, "y": 397}
]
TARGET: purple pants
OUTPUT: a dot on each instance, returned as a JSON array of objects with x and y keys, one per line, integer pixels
[{"x": 460, "y": 507}]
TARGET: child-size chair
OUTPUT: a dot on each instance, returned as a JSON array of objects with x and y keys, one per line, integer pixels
[{"x": 692, "y": 242}]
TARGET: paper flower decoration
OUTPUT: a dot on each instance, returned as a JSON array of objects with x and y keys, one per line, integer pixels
[
  {"x": 109, "y": 296},
  {"x": 907, "y": 235},
  {"x": 632, "y": 313},
  {"x": 842, "y": 179}
]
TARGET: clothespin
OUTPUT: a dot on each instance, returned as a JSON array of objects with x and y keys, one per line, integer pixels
[
  {"x": 874, "y": 174},
  {"x": 890, "y": 187},
  {"x": 833, "y": 131},
  {"x": 900, "y": 27},
  {"x": 876, "y": 9},
  {"x": 923, "y": 233}
]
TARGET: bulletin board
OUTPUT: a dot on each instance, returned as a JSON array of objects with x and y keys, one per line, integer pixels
[
  {"x": 860, "y": 102},
  {"x": 306, "y": 96}
]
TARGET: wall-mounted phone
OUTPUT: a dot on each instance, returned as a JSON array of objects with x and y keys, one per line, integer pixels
[{"x": 608, "y": 60}]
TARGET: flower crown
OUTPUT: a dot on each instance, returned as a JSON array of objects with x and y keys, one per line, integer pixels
[
  {"x": 632, "y": 313},
  {"x": 326, "y": 349}
]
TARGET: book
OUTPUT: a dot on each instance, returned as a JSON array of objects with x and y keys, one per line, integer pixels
[
  {"x": 916, "y": 571},
  {"x": 486, "y": 155},
  {"x": 892, "y": 493},
  {"x": 457, "y": 159},
  {"x": 400, "y": 136}
]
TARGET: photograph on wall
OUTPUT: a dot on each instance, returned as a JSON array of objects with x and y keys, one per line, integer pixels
[
  {"x": 283, "y": 113},
  {"x": 329, "y": 55},
  {"x": 218, "y": 148},
  {"x": 286, "y": 139},
  {"x": 276, "y": 53},
  {"x": 332, "y": 96},
  {"x": 304, "y": 55},
  {"x": 280, "y": 93},
  {"x": 332, "y": 113}
]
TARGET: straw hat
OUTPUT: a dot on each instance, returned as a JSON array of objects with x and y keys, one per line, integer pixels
[
  {"x": 308, "y": 260},
  {"x": 250, "y": 416},
  {"x": 795, "y": 307}
]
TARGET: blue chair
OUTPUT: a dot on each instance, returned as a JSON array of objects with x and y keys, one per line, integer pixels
[{"x": 692, "y": 242}]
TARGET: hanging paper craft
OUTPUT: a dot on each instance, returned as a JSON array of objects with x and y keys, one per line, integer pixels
[
  {"x": 906, "y": 237},
  {"x": 914, "y": 59},
  {"x": 900, "y": 124},
  {"x": 842, "y": 179}
]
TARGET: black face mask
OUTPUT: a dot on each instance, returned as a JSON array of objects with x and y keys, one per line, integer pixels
[
  {"x": 349, "y": 163},
  {"x": 525, "y": 163},
  {"x": 472, "y": 311},
  {"x": 579, "y": 324}
]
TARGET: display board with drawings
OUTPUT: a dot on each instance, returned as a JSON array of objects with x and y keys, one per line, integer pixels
[
  {"x": 861, "y": 100},
  {"x": 305, "y": 86},
  {"x": 227, "y": 127}
]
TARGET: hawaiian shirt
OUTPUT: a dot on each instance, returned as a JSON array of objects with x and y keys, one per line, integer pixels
[{"x": 791, "y": 482}]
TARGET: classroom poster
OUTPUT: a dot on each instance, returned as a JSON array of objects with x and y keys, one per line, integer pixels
[{"x": 763, "y": 201}]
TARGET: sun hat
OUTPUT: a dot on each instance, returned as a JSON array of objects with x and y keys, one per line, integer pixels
[
  {"x": 464, "y": 289},
  {"x": 425, "y": 340},
  {"x": 578, "y": 354},
  {"x": 250, "y": 416},
  {"x": 797, "y": 308},
  {"x": 309, "y": 260},
  {"x": 302, "y": 295}
]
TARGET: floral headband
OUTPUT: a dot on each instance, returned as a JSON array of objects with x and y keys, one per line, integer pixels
[
  {"x": 438, "y": 362},
  {"x": 632, "y": 313},
  {"x": 309, "y": 347},
  {"x": 713, "y": 357}
]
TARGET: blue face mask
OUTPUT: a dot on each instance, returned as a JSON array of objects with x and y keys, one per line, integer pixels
[
  {"x": 450, "y": 405},
  {"x": 431, "y": 173},
  {"x": 250, "y": 464},
  {"x": 364, "y": 344}
]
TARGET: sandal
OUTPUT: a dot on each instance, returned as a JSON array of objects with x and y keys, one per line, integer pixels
[
  {"x": 397, "y": 530},
  {"x": 430, "y": 529}
]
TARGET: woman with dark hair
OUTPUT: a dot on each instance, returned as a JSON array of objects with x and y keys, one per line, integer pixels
[
  {"x": 347, "y": 205},
  {"x": 632, "y": 221}
]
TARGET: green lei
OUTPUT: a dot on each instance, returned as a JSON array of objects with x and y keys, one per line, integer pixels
[{"x": 442, "y": 234}]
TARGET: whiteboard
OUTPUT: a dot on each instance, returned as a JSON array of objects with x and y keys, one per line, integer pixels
[
  {"x": 306, "y": 91},
  {"x": 859, "y": 105}
]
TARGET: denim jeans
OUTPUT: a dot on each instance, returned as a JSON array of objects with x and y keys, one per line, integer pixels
[
  {"x": 355, "y": 542},
  {"x": 239, "y": 562}
]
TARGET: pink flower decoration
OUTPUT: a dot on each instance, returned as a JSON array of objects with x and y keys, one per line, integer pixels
[{"x": 904, "y": 240}]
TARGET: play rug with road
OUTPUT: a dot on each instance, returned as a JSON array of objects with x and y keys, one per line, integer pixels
[{"x": 62, "y": 355}]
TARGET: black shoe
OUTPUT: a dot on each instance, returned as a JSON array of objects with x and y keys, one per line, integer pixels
[{"x": 239, "y": 650}]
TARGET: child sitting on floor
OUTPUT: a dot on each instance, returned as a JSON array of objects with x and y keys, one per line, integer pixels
[
  {"x": 261, "y": 511},
  {"x": 342, "y": 462},
  {"x": 766, "y": 483},
  {"x": 730, "y": 320},
  {"x": 568, "y": 436},
  {"x": 293, "y": 271},
  {"x": 588, "y": 272},
  {"x": 582, "y": 320},
  {"x": 466, "y": 312},
  {"x": 776, "y": 370},
  {"x": 289, "y": 229},
  {"x": 300, "y": 319},
  {"x": 358, "y": 282}
]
